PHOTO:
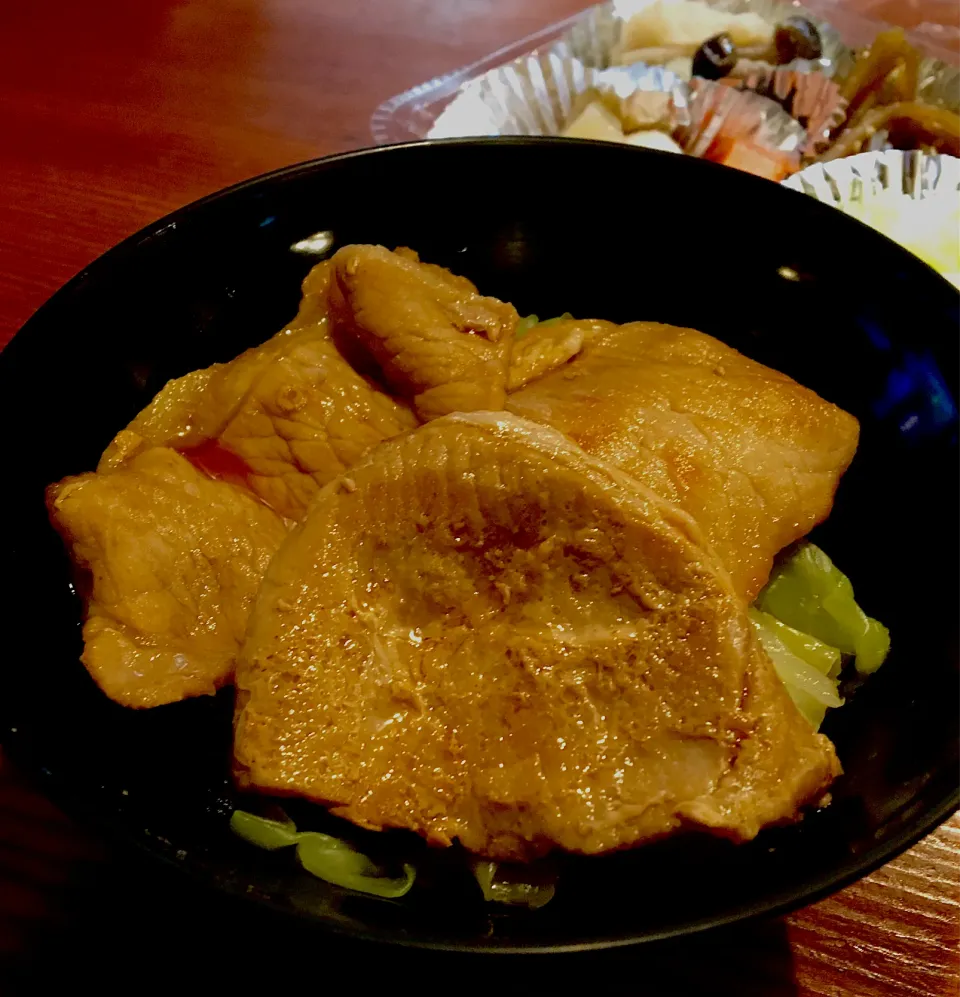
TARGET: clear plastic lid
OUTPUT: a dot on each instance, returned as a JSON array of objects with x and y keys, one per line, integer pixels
[{"x": 411, "y": 114}]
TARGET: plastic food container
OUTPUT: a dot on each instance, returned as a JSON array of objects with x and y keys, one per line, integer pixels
[{"x": 412, "y": 114}]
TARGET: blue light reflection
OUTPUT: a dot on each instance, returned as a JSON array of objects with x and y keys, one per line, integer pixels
[{"x": 917, "y": 396}]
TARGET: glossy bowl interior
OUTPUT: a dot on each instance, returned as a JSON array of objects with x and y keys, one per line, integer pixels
[{"x": 553, "y": 226}]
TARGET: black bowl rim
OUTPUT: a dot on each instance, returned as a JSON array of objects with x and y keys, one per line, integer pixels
[{"x": 75, "y": 804}]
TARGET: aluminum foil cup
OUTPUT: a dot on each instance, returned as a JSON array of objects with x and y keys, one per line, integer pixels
[
  {"x": 738, "y": 114},
  {"x": 538, "y": 95},
  {"x": 595, "y": 38},
  {"x": 811, "y": 98},
  {"x": 535, "y": 95}
]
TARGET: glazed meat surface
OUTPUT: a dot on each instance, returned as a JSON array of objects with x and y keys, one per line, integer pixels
[
  {"x": 172, "y": 561},
  {"x": 753, "y": 456},
  {"x": 175, "y": 548},
  {"x": 518, "y": 646},
  {"x": 514, "y": 611},
  {"x": 549, "y": 345},
  {"x": 292, "y": 413},
  {"x": 435, "y": 339}
]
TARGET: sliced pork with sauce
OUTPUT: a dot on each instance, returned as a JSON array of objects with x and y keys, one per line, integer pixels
[
  {"x": 480, "y": 632},
  {"x": 292, "y": 413},
  {"x": 753, "y": 456},
  {"x": 436, "y": 340},
  {"x": 188, "y": 504},
  {"x": 549, "y": 345},
  {"x": 171, "y": 561},
  {"x": 483, "y": 634}
]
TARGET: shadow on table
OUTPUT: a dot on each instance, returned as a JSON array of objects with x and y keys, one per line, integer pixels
[{"x": 133, "y": 923}]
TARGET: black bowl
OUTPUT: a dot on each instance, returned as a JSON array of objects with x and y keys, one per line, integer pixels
[{"x": 553, "y": 226}]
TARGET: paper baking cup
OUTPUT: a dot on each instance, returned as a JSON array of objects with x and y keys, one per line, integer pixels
[
  {"x": 535, "y": 95},
  {"x": 927, "y": 186},
  {"x": 594, "y": 38},
  {"x": 844, "y": 182}
]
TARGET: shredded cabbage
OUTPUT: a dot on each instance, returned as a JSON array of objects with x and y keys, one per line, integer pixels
[
  {"x": 809, "y": 593},
  {"x": 812, "y": 689},
  {"x": 264, "y": 833},
  {"x": 807, "y": 619},
  {"x": 525, "y": 325},
  {"x": 336, "y": 862},
  {"x": 558, "y": 318},
  {"x": 529, "y": 321},
  {"x": 322, "y": 855},
  {"x": 826, "y": 659},
  {"x": 518, "y": 885}
]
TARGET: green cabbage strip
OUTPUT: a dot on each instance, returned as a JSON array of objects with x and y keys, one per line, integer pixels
[
  {"x": 559, "y": 318},
  {"x": 807, "y": 618},
  {"x": 525, "y": 325},
  {"x": 810, "y": 686},
  {"x": 529, "y": 321},
  {"x": 518, "y": 885},
  {"x": 322, "y": 855},
  {"x": 825, "y": 659},
  {"x": 264, "y": 833},
  {"x": 337, "y": 862},
  {"x": 809, "y": 593}
]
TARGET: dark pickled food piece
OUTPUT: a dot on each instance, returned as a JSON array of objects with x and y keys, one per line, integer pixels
[
  {"x": 797, "y": 38},
  {"x": 909, "y": 124},
  {"x": 715, "y": 58},
  {"x": 890, "y": 53}
]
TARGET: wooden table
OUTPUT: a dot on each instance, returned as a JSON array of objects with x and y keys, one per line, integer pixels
[{"x": 114, "y": 112}]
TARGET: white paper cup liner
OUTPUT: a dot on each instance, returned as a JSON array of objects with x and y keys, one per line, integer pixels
[
  {"x": 851, "y": 185},
  {"x": 914, "y": 175}
]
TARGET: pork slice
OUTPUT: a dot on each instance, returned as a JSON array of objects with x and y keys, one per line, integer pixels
[
  {"x": 434, "y": 339},
  {"x": 753, "y": 456},
  {"x": 482, "y": 634},
  {"x": 285, "y": 417},
  {"x": 172, "y": 561}
]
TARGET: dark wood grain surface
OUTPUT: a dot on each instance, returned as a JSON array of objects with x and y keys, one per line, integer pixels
[{"x": 114, "y": 112}]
